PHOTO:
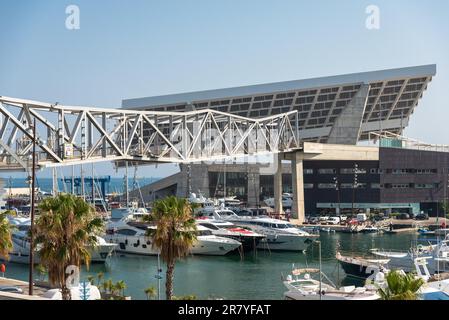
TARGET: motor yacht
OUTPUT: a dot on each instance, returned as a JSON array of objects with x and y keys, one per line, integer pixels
[
  {"x": 360, "y": 267},
  {"x": 201, "y": 203},
  {"x": 279, "y": 234},
  {"x": 99, "y": 253},
  {"x": 287, "y": 201},
  {"x": 132, "y": 238},
  {"x": 249, "y": 239},
  {"x": 438, "y": 253}
]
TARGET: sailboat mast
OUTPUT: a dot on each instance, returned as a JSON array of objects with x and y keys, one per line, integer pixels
[
  {"x": 93, "y": 186},
  {"x": 126, "y": 185},
  {"x": 82, "y": 183},
  {"x": 73, "y": 179},
  {"x": 224, "y": 178},
  {"x": 54, "y": 182}
]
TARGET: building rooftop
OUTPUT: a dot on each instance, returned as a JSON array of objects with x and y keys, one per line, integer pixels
[{"x": 392, "y": 98}]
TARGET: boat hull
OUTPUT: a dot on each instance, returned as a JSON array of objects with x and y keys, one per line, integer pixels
[
  {"x": 142, "y": 245},
  {"x": 296, "y": 295},
  {"x": 285, "y": 242},
  {"x": 99, "y": 254}
]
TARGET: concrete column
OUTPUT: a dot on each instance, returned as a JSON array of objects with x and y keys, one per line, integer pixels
[
  {"x": 253, "y": 188},
  {"x": 298, "y": 187},
  {"x": 278, "y": 184}
]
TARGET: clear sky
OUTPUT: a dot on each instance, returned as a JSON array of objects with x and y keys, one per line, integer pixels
[{"x": 129, "y": 49}]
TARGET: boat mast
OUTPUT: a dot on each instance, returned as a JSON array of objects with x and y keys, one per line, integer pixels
[
  {"x": 54, "y": 181},
  {"x": 126, "y": 185},
  {"x": 93, "y": 186},
  {"x": 224, "y": 180},
  {"x": 73, "y": 179},
  {"x": 82, "y": 182},
  {"x": 321, "y": 273},
  {"x": 33, "y": 177}
]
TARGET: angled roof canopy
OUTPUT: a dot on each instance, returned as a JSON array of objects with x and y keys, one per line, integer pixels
[{"x": 392, "y": 97}]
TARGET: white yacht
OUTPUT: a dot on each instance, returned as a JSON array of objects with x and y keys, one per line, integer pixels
[
  {"x": 279, "y": 234},
  {"x": 21, "y": 245},
  {"x": 287, "y": 201},
  {"x": 301, "y": 286},
  {"x": 438, "y": 257},
  {"x": 131, "y": 237},
  {"x": 202, "y": 203},
  {"x": 249, "y": 239},
  {"x": 232, "y": 202}
]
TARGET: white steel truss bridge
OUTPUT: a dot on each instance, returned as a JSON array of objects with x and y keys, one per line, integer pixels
[{"x": 68, "y": 135}]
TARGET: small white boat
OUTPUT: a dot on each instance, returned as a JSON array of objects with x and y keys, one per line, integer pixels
[
  {"x": 370, "y": 229},
  {"x": 301, "y": 286},
  {"x": 405, "y": 260}
]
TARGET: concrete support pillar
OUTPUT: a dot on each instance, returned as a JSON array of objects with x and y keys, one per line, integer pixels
[
  {"x": 298, "y": 187},
  {"x": 278, "y": 184},
  {"x": 253, "y": 188}
]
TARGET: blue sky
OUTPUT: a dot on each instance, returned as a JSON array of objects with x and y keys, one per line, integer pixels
[{"x": 128, "y": 49}]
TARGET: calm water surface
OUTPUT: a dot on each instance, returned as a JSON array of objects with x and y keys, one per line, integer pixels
[{"x": 230, "y": 277}]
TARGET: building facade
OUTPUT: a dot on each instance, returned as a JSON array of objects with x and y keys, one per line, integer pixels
[{"x": 401, "y": 180}]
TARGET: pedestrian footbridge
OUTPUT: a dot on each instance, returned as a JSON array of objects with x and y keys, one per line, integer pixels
[{"x": 69, "y": 135}]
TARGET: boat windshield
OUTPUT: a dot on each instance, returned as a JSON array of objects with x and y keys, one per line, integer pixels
[
  {"x": 225, "y": 213},
  {"x": 209, "y": 226},
  {"x": 203, "y": 233}
]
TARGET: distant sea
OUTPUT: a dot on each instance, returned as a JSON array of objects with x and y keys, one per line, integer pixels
[{"x": 116, "y": 185}]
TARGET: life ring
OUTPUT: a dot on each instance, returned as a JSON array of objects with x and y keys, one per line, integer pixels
[{"x": 420, "y": 248}]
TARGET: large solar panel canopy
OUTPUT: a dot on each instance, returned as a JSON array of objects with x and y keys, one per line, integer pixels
[{"x": 390, "y": 101}]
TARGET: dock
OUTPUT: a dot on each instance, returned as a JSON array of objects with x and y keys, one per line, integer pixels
[{"x": 6, "y": 282}]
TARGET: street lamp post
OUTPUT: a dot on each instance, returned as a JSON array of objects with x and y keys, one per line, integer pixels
[
  {"x": 33, "y": 181},
  {"x": 337, "y": 188},
  {"x": 320, "y": 267},
  {"x": 355, "y": 185}
]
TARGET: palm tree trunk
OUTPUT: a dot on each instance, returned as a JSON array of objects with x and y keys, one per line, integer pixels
[
  {"x": 65, "y": 292},
  {"x": 169, "y": 280}
]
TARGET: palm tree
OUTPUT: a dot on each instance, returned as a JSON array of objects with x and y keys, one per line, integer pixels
[
  {"x": 401, "y": 286},
  {"x": 100, "y": 276},
  {"x": 108, "y": 286},
  {"x": 91, "y": 279},
  {"x": 121, "y": 286},
  {"x": 150, "y": 292},
  {"x": 67, "y": 225},
  {"x": 175, "y": 233},
  {"x": 5, "y": 236}
]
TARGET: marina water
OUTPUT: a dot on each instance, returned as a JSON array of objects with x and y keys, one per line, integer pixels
[{"x": 254, "y": 276}]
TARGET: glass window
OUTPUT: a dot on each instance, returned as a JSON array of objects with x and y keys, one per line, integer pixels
[
  {"x": 127, "y": 232},
  {"x": 327, "y": 171},
  {"x": 326, "y": 186},
  {"x": 308, "y": 171}
]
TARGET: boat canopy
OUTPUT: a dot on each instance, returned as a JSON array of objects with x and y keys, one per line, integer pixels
[{"x": 297, "y": 272}]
